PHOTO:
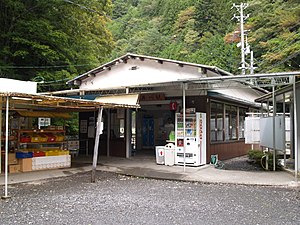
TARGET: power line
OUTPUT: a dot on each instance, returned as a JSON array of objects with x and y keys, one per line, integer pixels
[{"x": 43, "y": 67}]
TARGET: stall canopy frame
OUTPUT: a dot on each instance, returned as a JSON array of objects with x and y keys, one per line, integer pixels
[{"x": 32, "y": 103}]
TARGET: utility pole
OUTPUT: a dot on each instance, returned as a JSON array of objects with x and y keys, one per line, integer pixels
[{"x": 241, "y": 18}]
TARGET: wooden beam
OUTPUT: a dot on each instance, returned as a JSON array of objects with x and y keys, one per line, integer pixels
[{"x": 96, "y": 147}]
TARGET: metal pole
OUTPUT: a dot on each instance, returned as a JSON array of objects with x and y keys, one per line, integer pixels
[
  {"x": 127, "y": 133},
  {"x": 242, "y": 38},
  {"x": 96, "y": 147},
  {"x": 295, "y": 131},
  {"x": 284, "y": 133},
  {"x": 6, "y": 148},
  {"x": 274, "y": 136},
  {"x": 251, "y": 63},
  {"x": 0, "y": 132},
  {"x": 184, "y": 141},
  {"x": 108, "y": 133}
]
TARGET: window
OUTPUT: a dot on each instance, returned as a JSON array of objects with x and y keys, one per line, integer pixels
[
  {"x": 117, "y": 124},
  {"x": 242, "y": 115},
  {"x": 227, "y": 122},
  {"x": 230, "y": 122},
  {"x": 216, "y": 122}
]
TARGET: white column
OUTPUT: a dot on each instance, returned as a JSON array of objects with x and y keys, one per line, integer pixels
[
  {"x": 6, "y": 148},
  {"x": 0, "y": 131},
  {"x": 96, "y": 147},
  {"x": 128, "y": 133},
  {"x": 108, "y": 134},
  {"x": 183, "y": 113},
  {"x": 296, "y": 133}
]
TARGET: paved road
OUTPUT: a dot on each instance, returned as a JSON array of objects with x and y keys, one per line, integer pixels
[{"x": 116, "y": 199}]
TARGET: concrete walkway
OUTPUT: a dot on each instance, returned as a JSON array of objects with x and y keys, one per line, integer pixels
[{"x": 147, "y": 167}]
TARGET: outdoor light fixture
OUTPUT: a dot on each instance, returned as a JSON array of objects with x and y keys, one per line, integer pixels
[{"x": 77, "y": 82}]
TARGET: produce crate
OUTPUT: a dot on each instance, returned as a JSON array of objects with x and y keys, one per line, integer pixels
[
  {"x": 59, "y": 137},
  {"x": 35, "y": 138},
  {"x": 50, "y": 137},
  {"x": 39, "y": 154},
  {"x": 22, "y": 155},
  {"x": 25, "y": 139},
  {"x": 43, "y": 138}
]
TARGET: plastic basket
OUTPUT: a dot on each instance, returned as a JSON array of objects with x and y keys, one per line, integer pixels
[
  {"x": 51, "y": 138},
  {"x": 23, "y": 155},
  {"x": 39, "y": 154},
  {"x": 59, "y": 137},
  {"x": 35, "y": 138}
]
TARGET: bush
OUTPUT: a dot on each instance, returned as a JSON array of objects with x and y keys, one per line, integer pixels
[{"x": 256, "y": 157}]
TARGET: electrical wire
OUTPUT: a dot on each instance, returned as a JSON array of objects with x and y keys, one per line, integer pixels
[{"x": 44, "y": 67}]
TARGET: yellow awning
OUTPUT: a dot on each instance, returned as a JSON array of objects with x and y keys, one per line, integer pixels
[
  {"x": 44, "y": 114},
  {"x": 127, "y": 99}
]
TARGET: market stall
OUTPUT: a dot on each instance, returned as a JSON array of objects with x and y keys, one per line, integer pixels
[{"x": 27, "y": 146}]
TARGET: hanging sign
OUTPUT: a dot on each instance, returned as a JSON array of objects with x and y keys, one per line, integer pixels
[{"x": 173, "y": 105}]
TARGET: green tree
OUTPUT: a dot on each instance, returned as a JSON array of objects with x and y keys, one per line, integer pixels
[
  {"x": 213, "y": 16},
  {"x": 53, "y": 39},
  {"x": 275, "y": 35}
]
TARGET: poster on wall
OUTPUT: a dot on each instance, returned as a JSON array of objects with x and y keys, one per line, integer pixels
[
  {"x": 120, "y": 113},
  {"x": 83, "y": 126},
  {"x": 91, "y": 132}
]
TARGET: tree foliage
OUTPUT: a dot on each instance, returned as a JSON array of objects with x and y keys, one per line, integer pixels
[
  {"x": 52, "y": 40},
  {"x": 203, "y": 31},
  {"x": 58, "y": 39}
]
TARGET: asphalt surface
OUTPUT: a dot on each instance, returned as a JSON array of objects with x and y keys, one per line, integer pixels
[{"x": 118, "y": 199}]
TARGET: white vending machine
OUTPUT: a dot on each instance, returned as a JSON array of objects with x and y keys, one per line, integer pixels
[{"x": 193, "y": 143}]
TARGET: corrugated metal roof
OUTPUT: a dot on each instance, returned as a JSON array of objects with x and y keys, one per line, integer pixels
[
  {"x": 20, "y": 101},
  {"x": 143, "y": 57}
]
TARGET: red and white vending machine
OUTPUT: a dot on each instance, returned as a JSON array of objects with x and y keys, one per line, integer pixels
[{"x": 193, "y": 143}]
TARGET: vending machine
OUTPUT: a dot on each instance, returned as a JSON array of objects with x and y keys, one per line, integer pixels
[{"x": 193, "y": 143}]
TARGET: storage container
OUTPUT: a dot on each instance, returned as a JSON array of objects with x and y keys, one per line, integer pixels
[{"x": 22, "y": 155}]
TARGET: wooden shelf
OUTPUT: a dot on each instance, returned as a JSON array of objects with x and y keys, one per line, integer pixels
[
  {"x": 54, "y": 142},
  {"x": 41, "y": 131}
]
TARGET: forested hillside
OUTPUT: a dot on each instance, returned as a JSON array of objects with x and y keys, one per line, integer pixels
[
  {"x": 55, "y": 40},
  {"x": 203, "y": 31}
]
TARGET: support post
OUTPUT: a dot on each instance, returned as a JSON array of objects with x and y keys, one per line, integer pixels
[
  {"x": 108, "y": 134},
  {"x": 6, "y": 150},
  {"x": 128, "y": 133},
  {"x": 0, "y": 132},
  {"x": 295, "y": 130},
  {"x": 274, "y": 135},
  {"x": 96, "y": 147},
  {"x": 284, "y": 133},
  {"x": 183, "y": 113}
]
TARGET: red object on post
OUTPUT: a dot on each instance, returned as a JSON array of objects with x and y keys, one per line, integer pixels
[{"x": 173, "y": 105}]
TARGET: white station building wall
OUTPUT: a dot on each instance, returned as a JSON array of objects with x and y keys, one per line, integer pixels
[{"x": 136, "y": 72}]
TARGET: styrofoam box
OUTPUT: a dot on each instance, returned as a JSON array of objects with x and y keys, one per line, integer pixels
[{"x": 51, "y": 162}]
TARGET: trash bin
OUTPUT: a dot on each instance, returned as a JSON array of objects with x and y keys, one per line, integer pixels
[
  {"x": 160, "y": 155},
  {"x": 169, "y": 154}
]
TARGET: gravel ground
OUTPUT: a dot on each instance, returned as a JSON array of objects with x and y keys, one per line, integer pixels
[
  {"x": 116, "y": 199},
  {"x": 241, "y": 163}
]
